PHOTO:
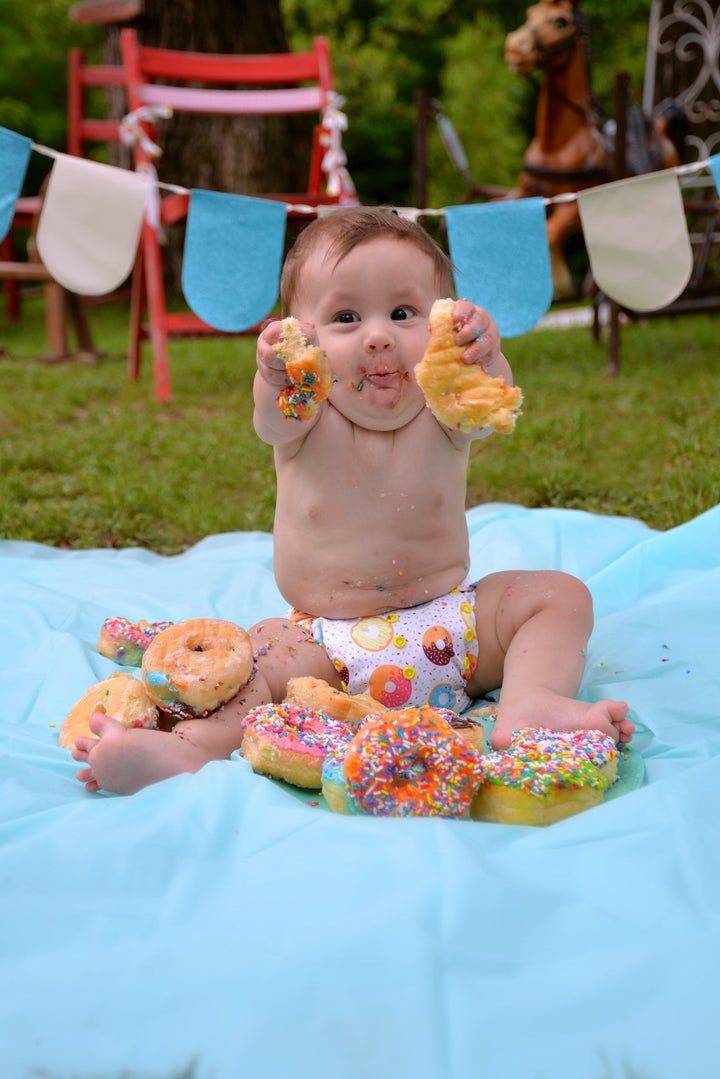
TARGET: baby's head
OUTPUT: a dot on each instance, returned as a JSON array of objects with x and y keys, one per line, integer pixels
[{"x": 340, "y": 231}]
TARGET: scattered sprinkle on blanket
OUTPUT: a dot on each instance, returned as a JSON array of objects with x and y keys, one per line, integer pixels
[{"x": 213, "y": 926}]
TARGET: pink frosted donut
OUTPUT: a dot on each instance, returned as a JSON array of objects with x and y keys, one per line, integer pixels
[
  {"x": 126, "y": 642},
  {"x": 410, "y": 762},
  {"x": 290, "y": 742}
]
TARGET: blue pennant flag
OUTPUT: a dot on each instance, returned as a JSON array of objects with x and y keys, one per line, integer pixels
[
  {"x": 714, "y": 166},
  {"x": 502, "y": 262},
  {"x": 14, "y": 156},
  {"x": 232, "y": 258}
]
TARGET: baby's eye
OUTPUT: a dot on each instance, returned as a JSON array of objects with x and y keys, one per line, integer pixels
[
  {"x": 400, "y": 314},
  {"x": 346, "y": 317}
]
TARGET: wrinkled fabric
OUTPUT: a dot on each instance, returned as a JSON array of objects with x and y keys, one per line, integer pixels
[{"x": 215, "y": 922}]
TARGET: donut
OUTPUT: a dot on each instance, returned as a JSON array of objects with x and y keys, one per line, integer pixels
[
  {"x": 308, "y": 369},
  {"x": 599, "y": 748},
  {"x": 372, "y": 634},
  {"x": 194, "y": 667},
  {"x": 316, "y": 694},
  {"x": 125, "y": 642},
  {"x": 469, "y": 729},
  {"x": 289, "y": 742},
  {"x": 538, "y": 781},
  {"x": 437, "y": 645},
  {"x": 461, "y": 395},
  {"x": 406, "y": 762},
  {"x": 122, "y": 696},
  {"x": 391, "y": 685}
]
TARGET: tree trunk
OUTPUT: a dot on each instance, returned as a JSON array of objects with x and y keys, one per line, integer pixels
[{"x": 249, "y": 155}]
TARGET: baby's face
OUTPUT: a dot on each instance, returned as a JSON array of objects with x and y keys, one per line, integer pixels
[{"x": 371, "y": 313}]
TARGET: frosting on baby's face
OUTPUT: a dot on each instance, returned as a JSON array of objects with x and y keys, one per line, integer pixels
[{"x": 371, "y": 313}]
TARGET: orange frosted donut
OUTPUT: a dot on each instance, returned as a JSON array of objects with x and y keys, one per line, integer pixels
[
  {"x": 290, "y": 743},
  {"x": 543, "y": 777},
  {"x": 461, "y": 395},
  {"x": 126, "y": 642},
  {"x": 320, "y": 696},
  {"x": 122, "y": 696},
  {"x": 194, "y": 667},
  {"x": 308, "y": 369},
  {"x": 407, "y": 762}
]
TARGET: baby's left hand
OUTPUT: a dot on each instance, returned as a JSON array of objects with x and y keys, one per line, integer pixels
[{"x": 479, "y": 332}]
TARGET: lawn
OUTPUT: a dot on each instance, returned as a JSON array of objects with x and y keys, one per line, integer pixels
[{"x": 88, "y": 459}]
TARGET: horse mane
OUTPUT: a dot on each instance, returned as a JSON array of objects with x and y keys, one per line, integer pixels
[{"x": 583, "y": 28}]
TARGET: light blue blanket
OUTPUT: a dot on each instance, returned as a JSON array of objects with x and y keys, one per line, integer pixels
[{"x": 214, "y": 925}]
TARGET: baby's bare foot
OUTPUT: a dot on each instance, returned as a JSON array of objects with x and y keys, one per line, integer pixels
[{"x": 543, "y": 708}]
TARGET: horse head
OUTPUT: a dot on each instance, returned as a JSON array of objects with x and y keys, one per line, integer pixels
[{"x": 551, "y": 30}]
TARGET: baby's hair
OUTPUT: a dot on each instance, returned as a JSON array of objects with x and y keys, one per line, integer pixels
[{"x": 342, "y": 230}]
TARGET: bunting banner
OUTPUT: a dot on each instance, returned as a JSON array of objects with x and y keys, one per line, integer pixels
[
  {"x": 635, "y": 233},
  {"x": 15, "y": 153},
  {"x": 501, "y": 259},
  {"x": 637, "y": 239},
  {"x": 90, "y": 224},
  {"x": 232, "y": 258}
]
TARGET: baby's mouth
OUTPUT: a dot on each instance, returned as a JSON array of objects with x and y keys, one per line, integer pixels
[{"x": 381, "y": 379}]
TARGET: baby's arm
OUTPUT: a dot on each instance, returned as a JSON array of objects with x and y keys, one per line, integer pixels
[
  {"x": 270, "y": 424},
  {"x": 480, "y": 333}
]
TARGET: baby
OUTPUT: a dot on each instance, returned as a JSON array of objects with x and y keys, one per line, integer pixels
[{"x": 371, "y": 545}]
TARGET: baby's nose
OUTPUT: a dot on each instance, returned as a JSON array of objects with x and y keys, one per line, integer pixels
[{"x": 378, "y": 340}]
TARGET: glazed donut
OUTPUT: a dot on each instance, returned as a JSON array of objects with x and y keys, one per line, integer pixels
[
  {"x": 194, "y": 667},
  {"x": 289, "y": 742},
  {"x": 125, "y": 642},
  {"x": 407, "y": 762},
  {"x": 538, "y": 781},
  {"x": 461, "y": 395},
  {"x": 320, "y": 696},
  {"x": 122, "y": 696},
  {"x": 308, "y": 369}
]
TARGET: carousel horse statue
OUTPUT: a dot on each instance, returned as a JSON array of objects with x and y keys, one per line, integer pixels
[{"x": 571, "y": 150}]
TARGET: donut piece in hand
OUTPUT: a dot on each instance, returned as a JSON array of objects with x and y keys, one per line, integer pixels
[
  {"x": 121, "y": 696},
  {"x": 308, "y": 369},
  {"x": 461, "y": 395}
]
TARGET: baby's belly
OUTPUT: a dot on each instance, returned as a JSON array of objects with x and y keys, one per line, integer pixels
[{"x": 360, "y": 578}]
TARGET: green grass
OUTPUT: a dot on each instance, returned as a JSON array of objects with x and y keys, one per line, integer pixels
[{"x": 88, "y": 459}]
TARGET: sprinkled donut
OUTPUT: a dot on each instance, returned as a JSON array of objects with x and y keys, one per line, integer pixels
[
  {"x": 539, "y": 780},
  {"x": 126, "y": 642},
  {"x": 289, "y": 742},
  {"x": 308, "y": 369},
  {"x": 194, "y": 667},
  {"x": 122, "y": 696},
  {"x": 405, "y": 763},
  {"x": 597, "y": 747},
  {"x": 461, "y": 395}
]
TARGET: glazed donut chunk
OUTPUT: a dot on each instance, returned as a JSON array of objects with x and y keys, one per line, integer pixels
[
  {"x": 461, "y": 395},
  {"x": 122, "y": 696},
  {"x": 289, "y": 742},
  {"x": 406, "y": 762},
  {"x": 539, "y": 780},
  {"x": 308, "y": 369},
  {"x": 319, "y": 695},
  {"x": 126, "y": 642},
  {"x": 194, "y": 667}
]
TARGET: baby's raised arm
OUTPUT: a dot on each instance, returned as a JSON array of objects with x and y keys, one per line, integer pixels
[{"x": 271, "y": 425}]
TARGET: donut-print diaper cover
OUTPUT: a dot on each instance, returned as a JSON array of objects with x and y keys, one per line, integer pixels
[{"x": 407, "y": 658}]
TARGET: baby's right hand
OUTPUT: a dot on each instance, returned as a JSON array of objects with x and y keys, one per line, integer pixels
[{"x": 270, "y": 365}]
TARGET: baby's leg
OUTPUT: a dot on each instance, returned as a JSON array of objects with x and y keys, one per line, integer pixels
[
  {"x": 125, "y": 761},
  {"x": 533, "y": 630}
]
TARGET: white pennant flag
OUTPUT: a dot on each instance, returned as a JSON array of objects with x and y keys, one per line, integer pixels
[
  {"x": 90, "y": 224},
  {"x": 637, "y": 239}
]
